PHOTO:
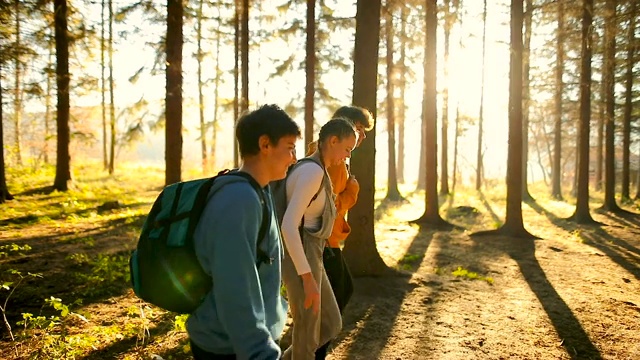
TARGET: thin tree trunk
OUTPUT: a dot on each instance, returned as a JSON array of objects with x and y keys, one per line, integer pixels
[
  {"x": 582, "y": 214},
  {"x": 556, "y": 189},
  {"x": 422, "y": 167},
  {"x": 244, "y": 56},
  {"x": 4, "y": 190},
  {"x": 112, "y": 105},
  {"x": 543, "y": 168},
  {"x": 47, "y": 102},
  {"x": 393, "y": 194},
  {"x": 173, "y": 129},
  {"x": 455, "y": 150},
  {"x": 310, "y": 72},
  {"x": 628, "y": 106},
  {"x": 360, "y": 247},
  {"x": 422, "y": 164},
  {"x": 431, "y": 214},
  {"x": 199, "y": 57},
  {"x": 17, "y": 91},
  {"x": 481, "y": 114},
  {"x": 526, "y": 99},
  {"x": 609, "y": 78},
  {"x": 216, "y": 97},
  {"x": 236, "y": 76},
  {"x": 103, "y": 88},
  {"x": 444, "y": 179},
  {"x": 63, "y": 171},
  {"x": 600, "y": 133},
  {"x": 403, "y": 85}
]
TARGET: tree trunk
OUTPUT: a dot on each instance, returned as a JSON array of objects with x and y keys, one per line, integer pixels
[
  {"x": 455, "y": 150},
  {"x": 63, "y": 171},
  {"x": 403, "y": 84},
  {"x": 48, "y": 96},
  {"x": 310, "y": 72},
  {"x": 173, "y": 129},
  {"x": 481, "y": 114},
  {"x": 526, "y": 99},
  {"x": 422, "y": 167},
  {"x": 431, "y": 215},
  {"x": 103, "y": 87},
  {"x": 582, "y": 214},
  {"x": 628, "y": 105},
  {"x": 513, "y": 225},
  {"x": 216, "y": 97},
  {"x": 199, "y": 57},
  {"x": 444, "y": 175},
  {"x": 393, "y": 194},
  {"x": 360, "y": 248},
  {"x": 609, "y": 80},
  {"x": 236, "y": 77},
  {"x": 244, "y": 56},
  {"x": 543, "y": 167},
  {"x": 17, "y": 90},
  {"x": 112, "y": 105},
  {"x": 4, "y": 190},
  {"x": 600, "y": 128},
  {"x": 556, "y": 189}
]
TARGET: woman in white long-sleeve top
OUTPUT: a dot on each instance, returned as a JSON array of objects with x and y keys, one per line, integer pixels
[{"x": 306, "y": 226}]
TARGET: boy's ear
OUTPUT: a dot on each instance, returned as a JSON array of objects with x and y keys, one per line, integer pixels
[{"x": 264, "y": 142}]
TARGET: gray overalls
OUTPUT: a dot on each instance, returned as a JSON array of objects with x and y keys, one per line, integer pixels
[{"x": 312, "y": 331}]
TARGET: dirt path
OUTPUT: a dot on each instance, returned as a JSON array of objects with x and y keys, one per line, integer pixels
[{"x": 575, "y": 294}]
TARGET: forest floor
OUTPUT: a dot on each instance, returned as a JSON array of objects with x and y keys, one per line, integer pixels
[{"x": 572, "y": 293}]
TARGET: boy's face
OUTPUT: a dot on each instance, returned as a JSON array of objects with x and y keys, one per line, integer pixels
[
  {"x": 283, "y": 155},
  {"x": 361, "y": 132}
]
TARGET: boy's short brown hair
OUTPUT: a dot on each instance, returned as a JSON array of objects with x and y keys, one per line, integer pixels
[{"x": 357, "y": 115}]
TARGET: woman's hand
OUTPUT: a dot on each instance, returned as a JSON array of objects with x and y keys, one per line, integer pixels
[{"x": 311, "y": 293}]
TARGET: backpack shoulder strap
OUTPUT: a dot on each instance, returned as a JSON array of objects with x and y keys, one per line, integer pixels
[
  {"x": 262, "y": 256},
  {"x": 312, "y": 159}
]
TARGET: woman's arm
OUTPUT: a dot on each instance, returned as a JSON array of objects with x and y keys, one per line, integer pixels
[{"x": 302, "y": 184}]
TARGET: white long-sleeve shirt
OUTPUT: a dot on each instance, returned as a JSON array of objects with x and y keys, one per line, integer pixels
[{"x": 302, "y": 184}]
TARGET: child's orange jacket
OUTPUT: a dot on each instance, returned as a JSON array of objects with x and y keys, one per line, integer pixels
[{"x": 346, "y": 190}]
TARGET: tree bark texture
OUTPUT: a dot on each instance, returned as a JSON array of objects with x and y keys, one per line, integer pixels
[{"x": 173, "y": 134}]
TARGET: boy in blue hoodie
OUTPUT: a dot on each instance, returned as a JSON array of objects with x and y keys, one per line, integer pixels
[{"x": 244, "y": 314}]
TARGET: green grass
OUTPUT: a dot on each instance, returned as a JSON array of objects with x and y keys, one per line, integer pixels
[
  {"x": 466, "y": 274},
  {"x": 133, "y": 187}
]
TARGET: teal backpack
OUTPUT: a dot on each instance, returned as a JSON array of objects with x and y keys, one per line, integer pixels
[{"x": 165, "y": 270}]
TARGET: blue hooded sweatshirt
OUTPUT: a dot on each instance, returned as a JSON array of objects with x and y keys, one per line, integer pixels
[{"x": 244, "y": 313}]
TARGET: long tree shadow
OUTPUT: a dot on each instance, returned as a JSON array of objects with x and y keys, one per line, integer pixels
[
  {"x": 618, "y": 250},
  {"x": 45, "y": 190},
  {"x": 496, "y": 219},
  {"x": 370, "y": 327},
  {"x": 575, "y": 340},
  {"x": 625, "y": 220},
  {"x": 562, "y": 223}
]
